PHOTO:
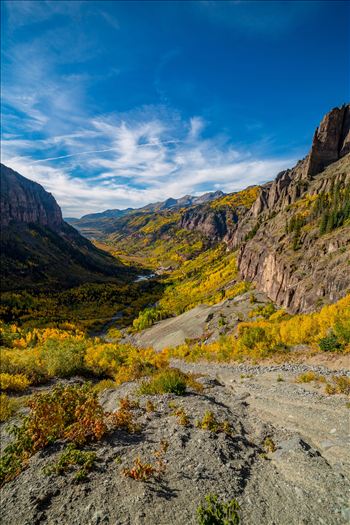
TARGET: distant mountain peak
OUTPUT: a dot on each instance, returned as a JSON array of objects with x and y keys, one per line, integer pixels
[{"x": 181, "y": 202}]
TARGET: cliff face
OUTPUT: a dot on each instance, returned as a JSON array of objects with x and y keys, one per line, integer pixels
[
  {"x": 25, "y": 201},
  {"x": 219, "y": 219},
  {"x": 214, "y": 224},
  {"x": 316, "y": 269}
]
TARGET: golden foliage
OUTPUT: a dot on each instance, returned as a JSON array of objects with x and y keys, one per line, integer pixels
[
  {"x": 48, "y": 353},
  {"x": 261, "y": 338},
  {"x": 242, "y": 198},
  {"x": 14, "y": 382}
]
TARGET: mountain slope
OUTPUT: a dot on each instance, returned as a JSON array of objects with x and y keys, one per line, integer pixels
[{"x": 38, "y": 248}]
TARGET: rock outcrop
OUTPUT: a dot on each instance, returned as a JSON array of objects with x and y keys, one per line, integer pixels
[
  {"x": 331, "y": 140},
  {"x": 214, "y": 224}
]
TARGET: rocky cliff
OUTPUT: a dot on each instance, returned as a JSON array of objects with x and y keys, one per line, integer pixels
[
  {"x": 218, "y": 220},
  {"x": 25, "y": 201},
  {"x": 214, "y": 224},
  {"x": 293, "y": 237},
  {"x": 295, "y": 251}
]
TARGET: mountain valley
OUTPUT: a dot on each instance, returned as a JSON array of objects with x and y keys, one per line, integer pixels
[{"x": 151, "y": 356}]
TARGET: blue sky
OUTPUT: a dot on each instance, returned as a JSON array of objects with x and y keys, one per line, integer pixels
[{"x": 117, "y": 104}]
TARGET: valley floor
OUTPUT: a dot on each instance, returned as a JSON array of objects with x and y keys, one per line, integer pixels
[{"x": 286, "y": 461}]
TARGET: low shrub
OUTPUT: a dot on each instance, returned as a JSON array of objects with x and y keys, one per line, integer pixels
[
  {"x": 23, "y": 361},
  {"x": 123, "y": 362},
  {"x": 169, "y": 380},
  {"x": 209, "y": 422},
  {"x": 69, "y": 412},
  {"x": 341, "y": 385},
  {"x": 103, "y": 385},
  {"x": 330, "y": 343},
  {"x": 9, "y": 406},
  {"x": 14, "y": 382},
  {"x": 140, "y": 471},
  {"x": 123, "y": 418},
  {"x": 143, "y": 471},
  {"x": 150, "y": 407},
  {"x": 182, "y": 417},
  {"x": 74, "y": 459},
  {"x": 63, "y": 358},
  {"x": 215, "y": 512},
  {"x": 269, "y": 445},
  {"x": 307, "y": 377}
]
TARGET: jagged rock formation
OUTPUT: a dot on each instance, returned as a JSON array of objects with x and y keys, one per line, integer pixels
[
  {"x": 318, "y": 270},
  {"x": 331, "y": 140},
  {"x": 38, "y": 247},
  {"x": 314, "y": 271}
]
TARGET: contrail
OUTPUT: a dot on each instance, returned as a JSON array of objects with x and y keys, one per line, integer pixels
[{"x": 104, "y": 150}]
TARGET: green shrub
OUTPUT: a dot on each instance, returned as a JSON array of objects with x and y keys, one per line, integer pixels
[
  {"x": 209, "y": 422},
  {"x": 330, "y": 343},
  {"x": 23, "y": 361},
  {"x": 221, "y": 321},
  {"x": 10, "y": 405},
  {"x": 269, "y": 445},
  {"x": 214, "y": 512},
  {"x": 103, "y": 385},
  {"x": 170, "y": 380},
  {"x": 73, "y": 459},
  {"x": 147, "y": 318},
  {"x": 252, "y": 336},
  {"x": 342, "y": 330},
  {"x": 63, "y": 358},
  {"x": 13, "y": 382}
]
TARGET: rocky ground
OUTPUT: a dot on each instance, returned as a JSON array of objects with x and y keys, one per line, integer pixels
[
  {"x": 202, "y": 322},
  {"x": 305, "y": 480}
]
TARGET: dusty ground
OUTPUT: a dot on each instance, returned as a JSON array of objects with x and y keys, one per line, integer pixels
[{"x": 304, "y": 481}]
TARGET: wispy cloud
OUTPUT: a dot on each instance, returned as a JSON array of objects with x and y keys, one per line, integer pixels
[{"x": 145, "y": 161}]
